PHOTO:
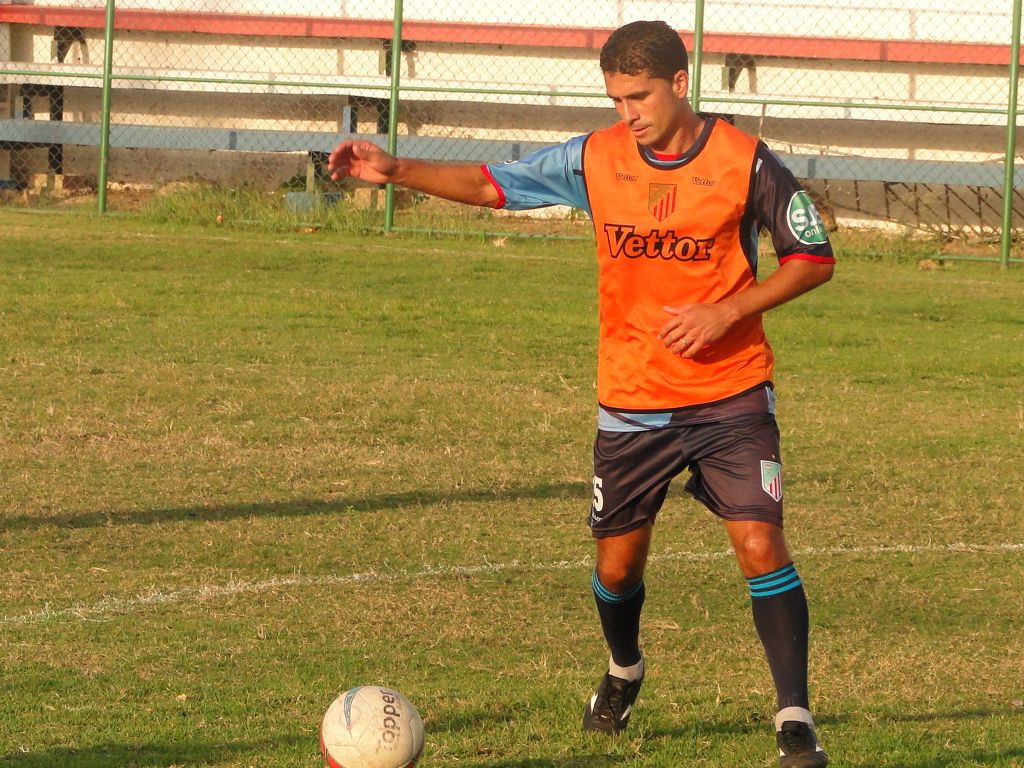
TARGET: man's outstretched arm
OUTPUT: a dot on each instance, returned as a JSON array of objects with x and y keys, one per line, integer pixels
[{"x": 366, "y": 161}]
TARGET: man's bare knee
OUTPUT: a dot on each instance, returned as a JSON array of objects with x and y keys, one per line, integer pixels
[
  {"x": 619, "y": 577},
  {"x": 621, "y": 560},
  {"x": 760, "y": 548}
]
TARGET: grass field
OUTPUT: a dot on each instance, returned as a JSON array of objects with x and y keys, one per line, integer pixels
[{"x": 243, "y": 471}]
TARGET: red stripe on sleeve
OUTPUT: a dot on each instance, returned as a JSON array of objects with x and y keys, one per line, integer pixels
[
  {"x": 501, "y": 194},
  {"x": 808, "y": 257}
]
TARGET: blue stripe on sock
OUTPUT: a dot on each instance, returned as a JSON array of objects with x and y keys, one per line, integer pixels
[
  {"x": 774, "y": 583},
  {"x": 786, "y": 569},
  {"x": 608, "y": 596},
  {"x": 785, "y": 578},
  {"x": 771, "y": 592}
]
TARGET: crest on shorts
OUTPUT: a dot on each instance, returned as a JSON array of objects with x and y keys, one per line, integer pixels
[
  {"x": 771, "y": 479},
  {"x": 661, "y": 200}
]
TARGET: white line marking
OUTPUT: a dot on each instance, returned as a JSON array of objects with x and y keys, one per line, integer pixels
[{"x": 116, "y": 606}]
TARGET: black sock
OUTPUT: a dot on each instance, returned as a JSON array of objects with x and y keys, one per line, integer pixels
[
  {"x": 620, "y": 620},
  {"x": 780, "y": 614}
]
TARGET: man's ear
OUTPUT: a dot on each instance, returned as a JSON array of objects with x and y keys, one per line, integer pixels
[{"x": 681, "y": 83}]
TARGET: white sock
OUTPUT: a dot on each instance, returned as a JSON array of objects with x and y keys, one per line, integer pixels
[
  {"x": 634, "y": 672},
  {"x": 793, "y": 713}
]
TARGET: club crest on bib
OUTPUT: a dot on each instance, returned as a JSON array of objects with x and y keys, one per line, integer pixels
[
  {"x": 661, "y": 200},
  {"x": 771, "y": 479}
]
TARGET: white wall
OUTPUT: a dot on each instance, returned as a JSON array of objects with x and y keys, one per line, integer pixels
[
  {"x": 334, "y": 67},
  {"x": 5, "y": 37},
  {"x": 985, "y": 21}
]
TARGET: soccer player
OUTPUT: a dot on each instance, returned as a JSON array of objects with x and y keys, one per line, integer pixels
[{"x": 677, "y": 200}]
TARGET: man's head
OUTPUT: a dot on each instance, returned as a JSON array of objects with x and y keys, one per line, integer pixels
[
  {"x": 650, "y": 48},
  {"x": 644, "y": 68}
]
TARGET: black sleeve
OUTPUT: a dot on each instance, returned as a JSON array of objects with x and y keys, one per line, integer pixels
[{"x": 780, "y": 205}]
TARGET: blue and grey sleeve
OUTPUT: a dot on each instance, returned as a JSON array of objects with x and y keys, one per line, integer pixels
[{"x": 550, "y": 176}]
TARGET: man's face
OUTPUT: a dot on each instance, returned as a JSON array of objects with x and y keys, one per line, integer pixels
[{"x": 651, "y": 107}]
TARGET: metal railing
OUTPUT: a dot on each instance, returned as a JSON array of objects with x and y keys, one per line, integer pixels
[{"x": 918, "y": 117}]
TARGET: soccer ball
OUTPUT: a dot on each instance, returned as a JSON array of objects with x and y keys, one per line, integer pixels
[{"x": 371, "y": 727}]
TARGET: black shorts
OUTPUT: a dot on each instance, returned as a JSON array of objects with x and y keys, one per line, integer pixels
[{"x": 735, "y": 471}]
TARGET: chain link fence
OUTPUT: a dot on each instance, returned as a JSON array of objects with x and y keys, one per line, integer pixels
[{"x": 896, "y": 114}]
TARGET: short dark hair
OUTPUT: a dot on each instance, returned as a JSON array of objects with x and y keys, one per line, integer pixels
[{"x": 644, "y": 47}]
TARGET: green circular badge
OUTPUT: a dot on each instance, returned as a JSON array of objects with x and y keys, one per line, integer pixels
[{"x": 804, "y": 221}]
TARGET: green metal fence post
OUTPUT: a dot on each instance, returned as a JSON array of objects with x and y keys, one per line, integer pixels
[
  {"x": 396, "y": 67},
  {"x": 698, "y": 54},
  {"x": 108, "y": 55},
  {"x": 1011, "y": 139}
]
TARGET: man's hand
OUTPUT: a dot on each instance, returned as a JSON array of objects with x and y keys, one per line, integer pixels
[
  {"x": 461, "y": 182},
  {"x": 692, "y": 327},
  {"x": 362, "y": 160}
]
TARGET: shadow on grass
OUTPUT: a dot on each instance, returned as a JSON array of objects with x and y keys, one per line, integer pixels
[
  {"x": 473, "y": 721},
  {"x": 973, "y": 713},
  {"x": 297, "y": 507},
  {"x": 947, "y": 759},
  {"x": 116, "y": 755},
  {"x": 933, "y": 747},
  {"x": 939, "y": 754},
  {"x": 977, "y": 756},
  {"x": 576, "y": 761}
]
